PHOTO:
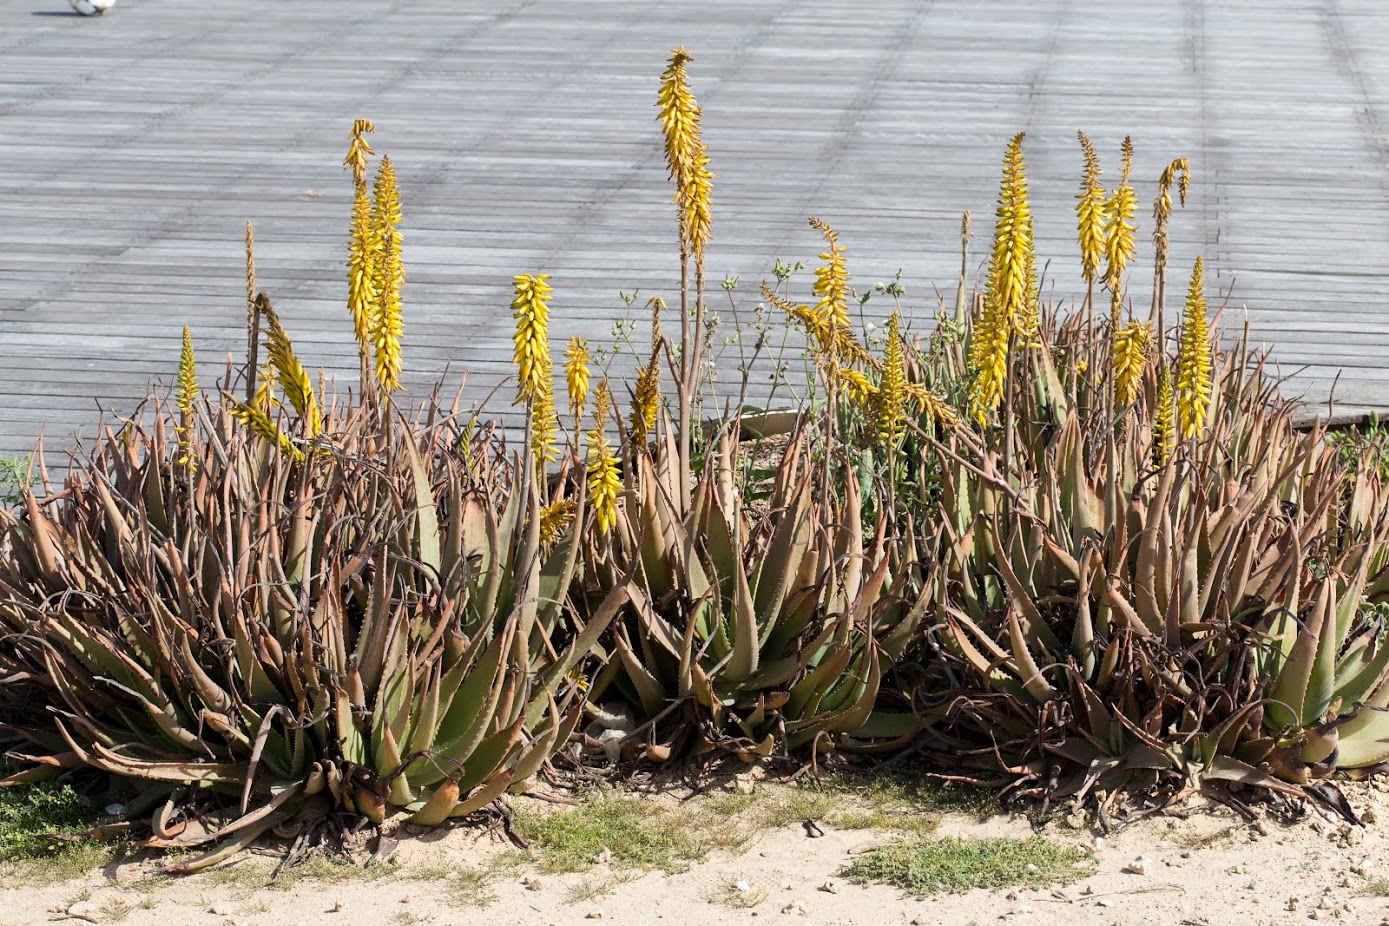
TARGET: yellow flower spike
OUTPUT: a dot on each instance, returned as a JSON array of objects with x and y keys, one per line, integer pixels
[
  {"x": 1010, "y": 295},
  {"x": 294, "y": 378},
  {"x": 859, "y": 387},
  {"x": 1162, "y": 420},
  {"x": 1132, "y": 346},
  {"x": 1091, "y": 216},
  {"x": 832, "y": 279},
  {"x": 361, "y": 273},
  {"x": 264, "y": 397},
  {"x": 1193, "y": 386},
  {"x": 1120, "y": 241},
  {"x": 544, "y": 421},
  {"x": 816, "y": 325},
  {"x": 657, "y": 305},
  {"x": 531, "y": 354},
  {"x": 646, "y": 400},
  {"x": 185, "y": 397},
  {"x": 604, "y": 480},
  {"x": 256, "y": 420},
  {"x": 686, "y": 155},
  {"x": 576, "y": 375},
  {"x": 555, "y": 519},
  {"x": 386, "y": 320},
  {"x": 933, "y": 406},
  {"x": 358, "y": 149},
  {"x": 388, "y": 323},
  {"x": 889, "y": 411},
  {"x": 187, "y": 393}
]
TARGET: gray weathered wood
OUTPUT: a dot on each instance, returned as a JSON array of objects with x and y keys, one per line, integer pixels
[{"x": 133, "y": 148}]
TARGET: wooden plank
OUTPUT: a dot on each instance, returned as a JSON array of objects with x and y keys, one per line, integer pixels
[{"x": 134, "y": 146}]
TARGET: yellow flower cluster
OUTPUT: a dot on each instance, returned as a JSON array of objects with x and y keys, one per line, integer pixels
[
  {"x": 604, "y": 480},
  {"x": 1120, "y": 242},
  {"x": 686, "y": 155},
  {"x": 576, "y": 375},
  {"x": 1010, "y": 296},
  {"x": 555, "y": 519},
  {"x": 889, "y": 408},
  {"x": 531, "y": 355},
  {"x": 1194, "y": 359},
  {"x": 187, "y": 392},
  {"x": 831, "y": 279},
  {"x": 185, "y": 397},
  {"x": 358, "y": 150},
  {"x": 1090, "y": 213},
  {"x": 255, "y": 418},
  {"x": 388, "y": 321},
  {"x": 1162, "y": 420},
  {"x": 646, "y": 401},
  {"x": 294, "y": 378},
  {"x": 1132, "y": 346}
]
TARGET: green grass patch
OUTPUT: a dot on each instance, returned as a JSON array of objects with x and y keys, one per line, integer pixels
[
  {"x": 928, "y": 865},
  {"x": 28, "y": 813},
  {"x": 1377, "y": 887},
  {"x": 637, "y": 832}
]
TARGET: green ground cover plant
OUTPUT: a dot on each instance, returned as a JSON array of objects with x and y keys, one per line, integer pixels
[
  {"x": 1080, "y": 558},
  {"x": 930, "y": 865}
]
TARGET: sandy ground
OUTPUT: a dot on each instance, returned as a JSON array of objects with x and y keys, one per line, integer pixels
[{"x": 1204, "y": 870}]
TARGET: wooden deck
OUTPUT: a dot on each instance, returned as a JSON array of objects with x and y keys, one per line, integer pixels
[{"x": 134, "y": 147}]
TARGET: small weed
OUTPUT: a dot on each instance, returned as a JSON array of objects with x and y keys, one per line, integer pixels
[
  {"x": 929, "y": 866},
  {"x": 1377, "y": 887},
  {"x": 14, "y": 479},
  {"x": 1205, "y": 840},
  {"x": 737, "y": 898},
  {"x": 595, "y": 887},
  {"x": 115, "y": 910},
  {"x": 465, "y": 885}
]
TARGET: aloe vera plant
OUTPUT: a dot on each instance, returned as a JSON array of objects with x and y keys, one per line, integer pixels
[
  {"x": 757, "y": 634},
  {"x": 356, "y": 628}
]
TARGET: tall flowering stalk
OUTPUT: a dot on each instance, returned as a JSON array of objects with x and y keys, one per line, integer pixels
[
  {"x": 889, "y": 402},
  {"x": 831, "y": 279},
  {"x": 1091, "y": 219},
  {"x": 687, "y": 159},
  {"x": 387, "y": 320},
  {"x": 1162, "y": 420},
  {"x": 1009, "y": 298},
  {"x": 544, "y": 424},
  {"x": 252, "y": 319},
  {"x": 1120, "y": 243},
  {"x": 577, "y": 376},
  {"x": 185, "y": 398},
  {"x": 1131, "y": 349},
  {"x": 255, "y": 419},
  {"x": 604, "y": 479},
  {"x": 531, "y": 356},
  {"x": 1178, "y": 174},
  {"x": 1193, "y": 385},
  {"x": 294, "y": 378},
  {"x": 361, "y": 271}
]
